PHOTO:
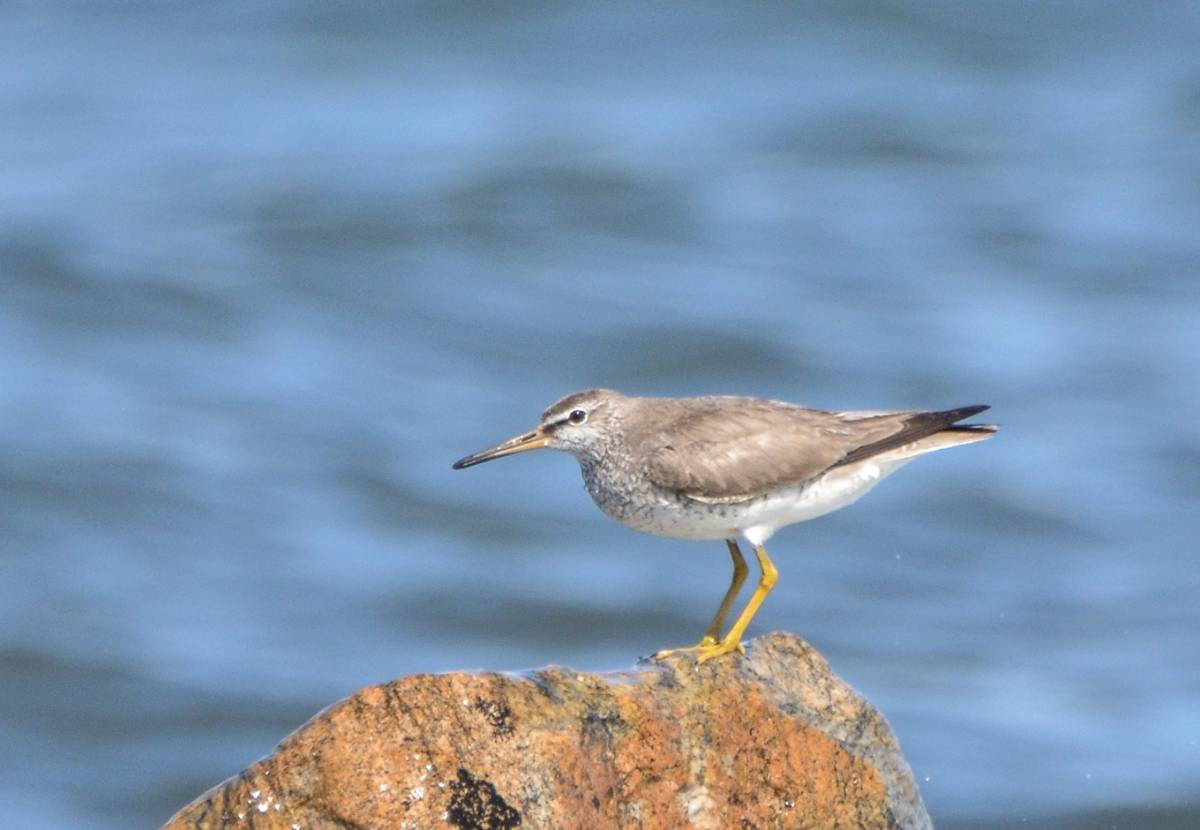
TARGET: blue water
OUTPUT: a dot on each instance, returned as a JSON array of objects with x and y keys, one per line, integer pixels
[{"x": 267, "y": 268}]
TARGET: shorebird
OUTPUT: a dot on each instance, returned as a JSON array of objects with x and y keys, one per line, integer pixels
[{"x": 723, "y": 467}]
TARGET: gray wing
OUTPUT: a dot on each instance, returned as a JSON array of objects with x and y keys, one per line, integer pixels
[{"x": 729, "y": 453}]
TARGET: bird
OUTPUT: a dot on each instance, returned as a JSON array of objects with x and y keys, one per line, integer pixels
[{"x": 723, "y": 467}]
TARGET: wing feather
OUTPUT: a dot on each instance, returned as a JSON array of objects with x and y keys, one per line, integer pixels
[{"x": 736, "y": 449}]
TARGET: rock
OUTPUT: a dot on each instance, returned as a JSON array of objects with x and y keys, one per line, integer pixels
[{"x": 771, "y": 739}]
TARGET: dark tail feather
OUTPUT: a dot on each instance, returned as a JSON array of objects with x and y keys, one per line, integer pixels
[
  {"x": 962, "y": 413},
  {"x": 970, "y": 428},
  {"x": 950, "y": 416},
  {"x": 918, "y": 426}
]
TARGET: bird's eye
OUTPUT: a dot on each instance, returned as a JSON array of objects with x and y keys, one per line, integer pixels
[{"x": 577, "y": 416}]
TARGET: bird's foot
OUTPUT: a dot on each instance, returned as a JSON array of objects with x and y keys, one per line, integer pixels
[{"x": 706, "y": 649}]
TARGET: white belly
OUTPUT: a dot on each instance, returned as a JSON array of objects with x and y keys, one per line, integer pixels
[{"x": 758, "y": 519}]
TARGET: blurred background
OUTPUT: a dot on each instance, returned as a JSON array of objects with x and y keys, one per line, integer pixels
[{"x": 267, "y": 269}]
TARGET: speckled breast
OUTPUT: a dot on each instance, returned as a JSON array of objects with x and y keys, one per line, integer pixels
[{"x": 637, "y": 503}]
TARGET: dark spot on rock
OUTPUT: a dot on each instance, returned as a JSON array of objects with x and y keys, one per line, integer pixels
[
  {"x": 475, "y": 805},
  {"x": 668, "y": 681},
  {"x": 603, "y": 723},
  {"x": 595, "y": 802},
  {"x": 545, "y": 683},
  {"x": 497, "y": 714}
]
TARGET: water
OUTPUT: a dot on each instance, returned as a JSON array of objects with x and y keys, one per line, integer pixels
[{"x": 266, "y": 269}]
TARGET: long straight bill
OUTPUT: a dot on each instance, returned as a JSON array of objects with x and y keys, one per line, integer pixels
[{"x": 522, "y": 443}]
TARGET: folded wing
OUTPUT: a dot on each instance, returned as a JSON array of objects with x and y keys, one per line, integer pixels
[{"x": 730, "y": 453}]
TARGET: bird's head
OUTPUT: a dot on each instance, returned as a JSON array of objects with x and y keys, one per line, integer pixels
[{"x": 581, "y": 424}]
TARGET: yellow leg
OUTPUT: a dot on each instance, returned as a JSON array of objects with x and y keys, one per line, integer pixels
[
  {"x": 713, "y": 635},
  {"x": 733, "y": 640}
]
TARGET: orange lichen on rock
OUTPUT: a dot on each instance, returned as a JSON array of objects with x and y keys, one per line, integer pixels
[{"x": 772, "y": 739}]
